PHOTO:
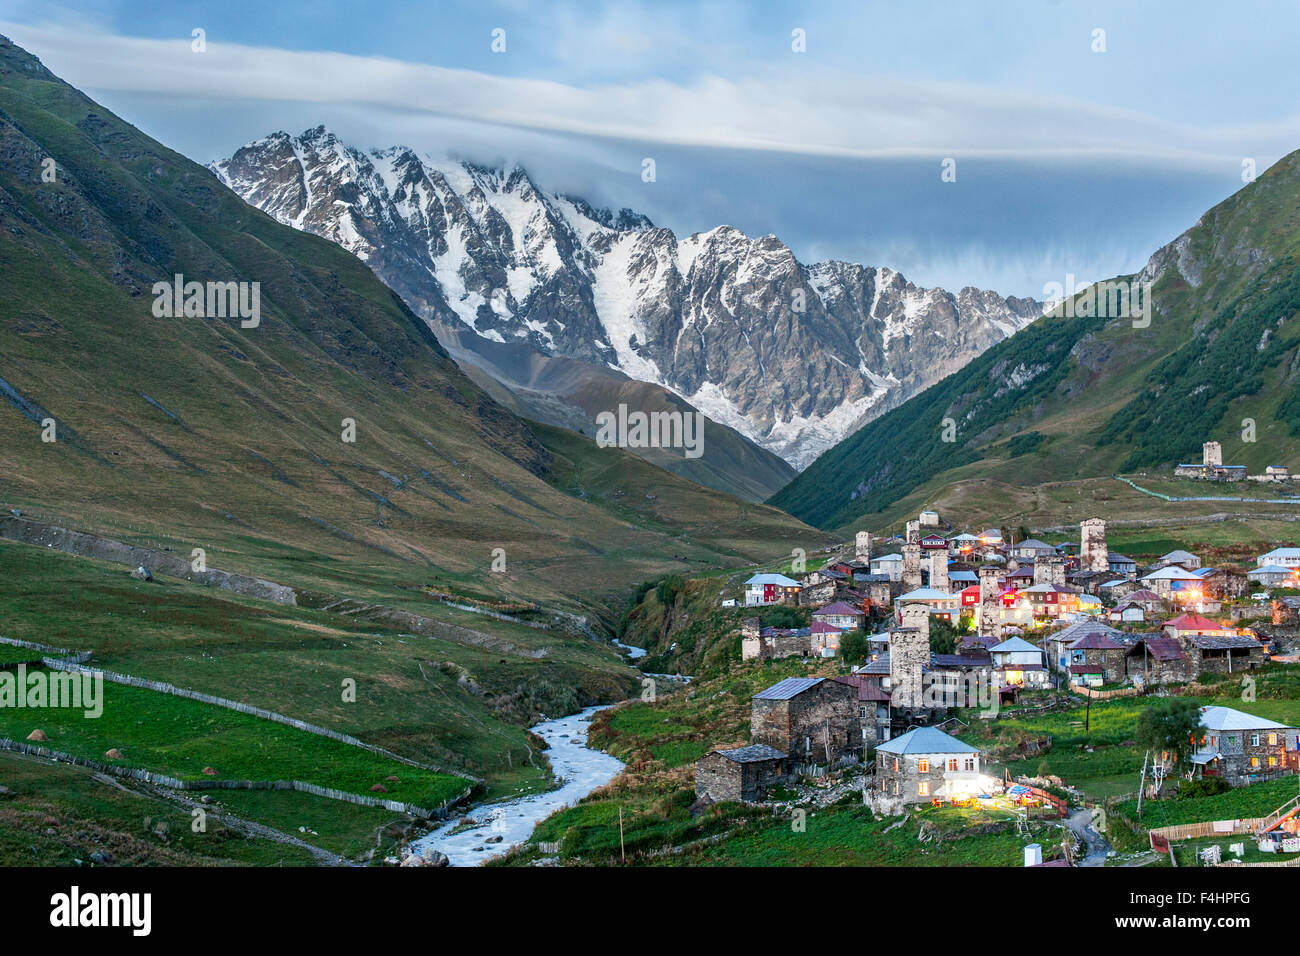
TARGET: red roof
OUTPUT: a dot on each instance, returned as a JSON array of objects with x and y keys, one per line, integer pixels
[
  {"x": 821, "y": 627},
  {"x": 1194, "y": 622},
  {"x": 837, "y": 608},
  {"x": 1086, "y": 669},
  {"x": 868, "y": 689}
]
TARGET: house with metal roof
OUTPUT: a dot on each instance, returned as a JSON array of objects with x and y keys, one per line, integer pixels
[
  {"x": 1018, "y": 664},
  {"x": 741, "y": 775},
  {"x": 926, "y": 764},
  {"x": 813, "y": 719},
  {"x": 1240, "y": 747},
  {"x": 840, "y": 614},
  {"x": 1096, "y": 659},
  {"x": 1282, "y": 557},
  {"x": 1273, "y": 575},
  {"x": 764, "y": 589},
  {"x": 1184, "y": 559},
  {"x": 1157, "y": 660}
]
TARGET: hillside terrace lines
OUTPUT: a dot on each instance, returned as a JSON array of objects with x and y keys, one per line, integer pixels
[{"x": 26, "y": 531}]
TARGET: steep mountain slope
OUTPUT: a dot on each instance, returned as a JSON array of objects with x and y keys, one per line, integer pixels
[
  {"x": 571, "y": 393},
  {"x": 789, "y": 355},
  {"x": 334, "y": 445},
  {"x": 1075, "y": 396}
]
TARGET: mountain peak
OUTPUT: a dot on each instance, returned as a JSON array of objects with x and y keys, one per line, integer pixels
[{"x": 793, "y": 357}]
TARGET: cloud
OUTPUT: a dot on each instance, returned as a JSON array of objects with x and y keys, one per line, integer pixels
[{"x": 788, "y": 108}]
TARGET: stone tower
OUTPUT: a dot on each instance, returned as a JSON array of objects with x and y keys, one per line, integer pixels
[
  {"x": 914, "y": 531},
  {"x": 915, "y": 616},
  {"x": 939, "y": 570},
  {"x": 990, "y": 614},
  {"x": 909, "y": 654},
  {"x": 911, "y": 566},
  {"x": 862, "y": 546},
  {"x": 1050, "y": 570},
  {"x": 1212, "y": 453},
  {"x": 1093, "y": 555}
]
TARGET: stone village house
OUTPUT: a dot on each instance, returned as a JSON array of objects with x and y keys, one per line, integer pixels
[
  {"x": 927, "y": 764},
  {"x": 742, "y": 775},
  {"x": 1234, "y": 744},
  {"x": 813, "y": 719}
]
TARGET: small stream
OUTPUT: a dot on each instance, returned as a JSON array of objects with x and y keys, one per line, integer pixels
[{"x": 579, "y": 771}]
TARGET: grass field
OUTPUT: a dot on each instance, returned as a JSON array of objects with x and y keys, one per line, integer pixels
[
  {"x": 180, "y": 737},
  {"x": 56, "y": 814}
]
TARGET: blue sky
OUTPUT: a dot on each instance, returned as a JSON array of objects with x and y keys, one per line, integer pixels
[{"x": 1069, "y": 160}]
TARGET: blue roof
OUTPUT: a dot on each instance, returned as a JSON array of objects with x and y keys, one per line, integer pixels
[
  {"x": 790, "y": 687},
  {"x": 926, "y": 740}
]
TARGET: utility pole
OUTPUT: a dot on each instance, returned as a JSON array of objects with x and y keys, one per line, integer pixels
[
  {"x": 622, "y": 853},
  {"x": 1143, "y": 785}
]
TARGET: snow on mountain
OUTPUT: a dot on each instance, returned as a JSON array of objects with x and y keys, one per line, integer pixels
[{"x": 793, "y": 356}]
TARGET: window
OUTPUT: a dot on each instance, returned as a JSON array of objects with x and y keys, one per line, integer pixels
[
  {"x": 923, "y": 765},
  {"x": 970, "y": 763},
  {"x": 1232, "y": 741},
  {"x": 1254, "y": 761},
  {"x": 952, "y": 763},
  {"x": 895, "y": 765},
  {"x": 923, "y": 788},
  {"x": 1272, "y": 740},
  {"x": 1254, "y": 740},
  {"x": 1272, "y": 761}
]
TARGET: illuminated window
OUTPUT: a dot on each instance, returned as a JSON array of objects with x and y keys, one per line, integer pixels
[
  {"x": 952, "y": 763},
  {"x": 1272, "y": 740},
  {"x": 923, "y": 765},
  {"x": 923, "y": 788},
  {"x": 1272, "y": 761},
  {"x": 1254, "y": 761},
  {"x": 895, "y": 765}
]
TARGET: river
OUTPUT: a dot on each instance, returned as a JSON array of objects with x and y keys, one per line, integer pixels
[{"x": 580, "y": 770}]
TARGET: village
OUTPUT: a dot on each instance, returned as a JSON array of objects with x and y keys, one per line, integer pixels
[{"x": 937, "y": 633}]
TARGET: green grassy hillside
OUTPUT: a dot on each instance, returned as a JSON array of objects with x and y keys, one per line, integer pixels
[{"x": 1077, "y": 397}]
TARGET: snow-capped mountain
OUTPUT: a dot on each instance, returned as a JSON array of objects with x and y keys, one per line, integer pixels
[{"x": 793, "y": 356}]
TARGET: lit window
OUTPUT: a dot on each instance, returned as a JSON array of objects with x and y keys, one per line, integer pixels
[
  {"x": 923, "y": 765},
  {"x": 952, "y": 763},
  {"x": 1254, "y": 761},
  {"x": 1272, "y": 761},
  {"x": 895, "y": 765},
  {"x": 923, "y": 788},
  {"x": 1272, "y": 740}
]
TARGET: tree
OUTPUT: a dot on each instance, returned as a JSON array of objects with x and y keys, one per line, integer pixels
[
  {"x": 943, "y": 636},
  {"x": 1169, "y": 728},
  {"x": 854, "y": 647}
]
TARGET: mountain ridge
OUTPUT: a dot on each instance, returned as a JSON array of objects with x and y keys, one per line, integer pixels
[
  {"x": 1077, "y": 396},
  {"x": 832, "y": 343}
]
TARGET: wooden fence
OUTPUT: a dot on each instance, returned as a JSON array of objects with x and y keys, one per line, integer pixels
[{"x": 1193, "y": 831}]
